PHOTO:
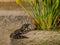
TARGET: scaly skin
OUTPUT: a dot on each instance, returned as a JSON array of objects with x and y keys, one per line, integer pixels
[{"x": 18, "y": 33}]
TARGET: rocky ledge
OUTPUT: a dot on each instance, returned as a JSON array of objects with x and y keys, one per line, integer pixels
[{"x": 38, "y": 38}]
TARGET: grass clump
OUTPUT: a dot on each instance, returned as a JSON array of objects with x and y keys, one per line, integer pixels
[{"x": 44, "y": 13}]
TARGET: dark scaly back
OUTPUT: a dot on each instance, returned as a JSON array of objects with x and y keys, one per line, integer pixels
[
  {"x": 20, "y": 31},
  {"x": 24, "y": 26}
]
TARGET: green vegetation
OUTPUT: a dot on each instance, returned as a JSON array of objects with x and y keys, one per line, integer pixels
[{"x": 44, "y": 13}]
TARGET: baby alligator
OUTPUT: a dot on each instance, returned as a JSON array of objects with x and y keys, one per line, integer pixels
[{"x": 18, "y": 34}]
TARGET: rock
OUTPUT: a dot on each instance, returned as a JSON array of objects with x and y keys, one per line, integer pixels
[{"x": 38, "y": 38}]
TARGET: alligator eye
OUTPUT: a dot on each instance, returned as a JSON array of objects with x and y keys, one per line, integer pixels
[{"x": 24, "y": 28}]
